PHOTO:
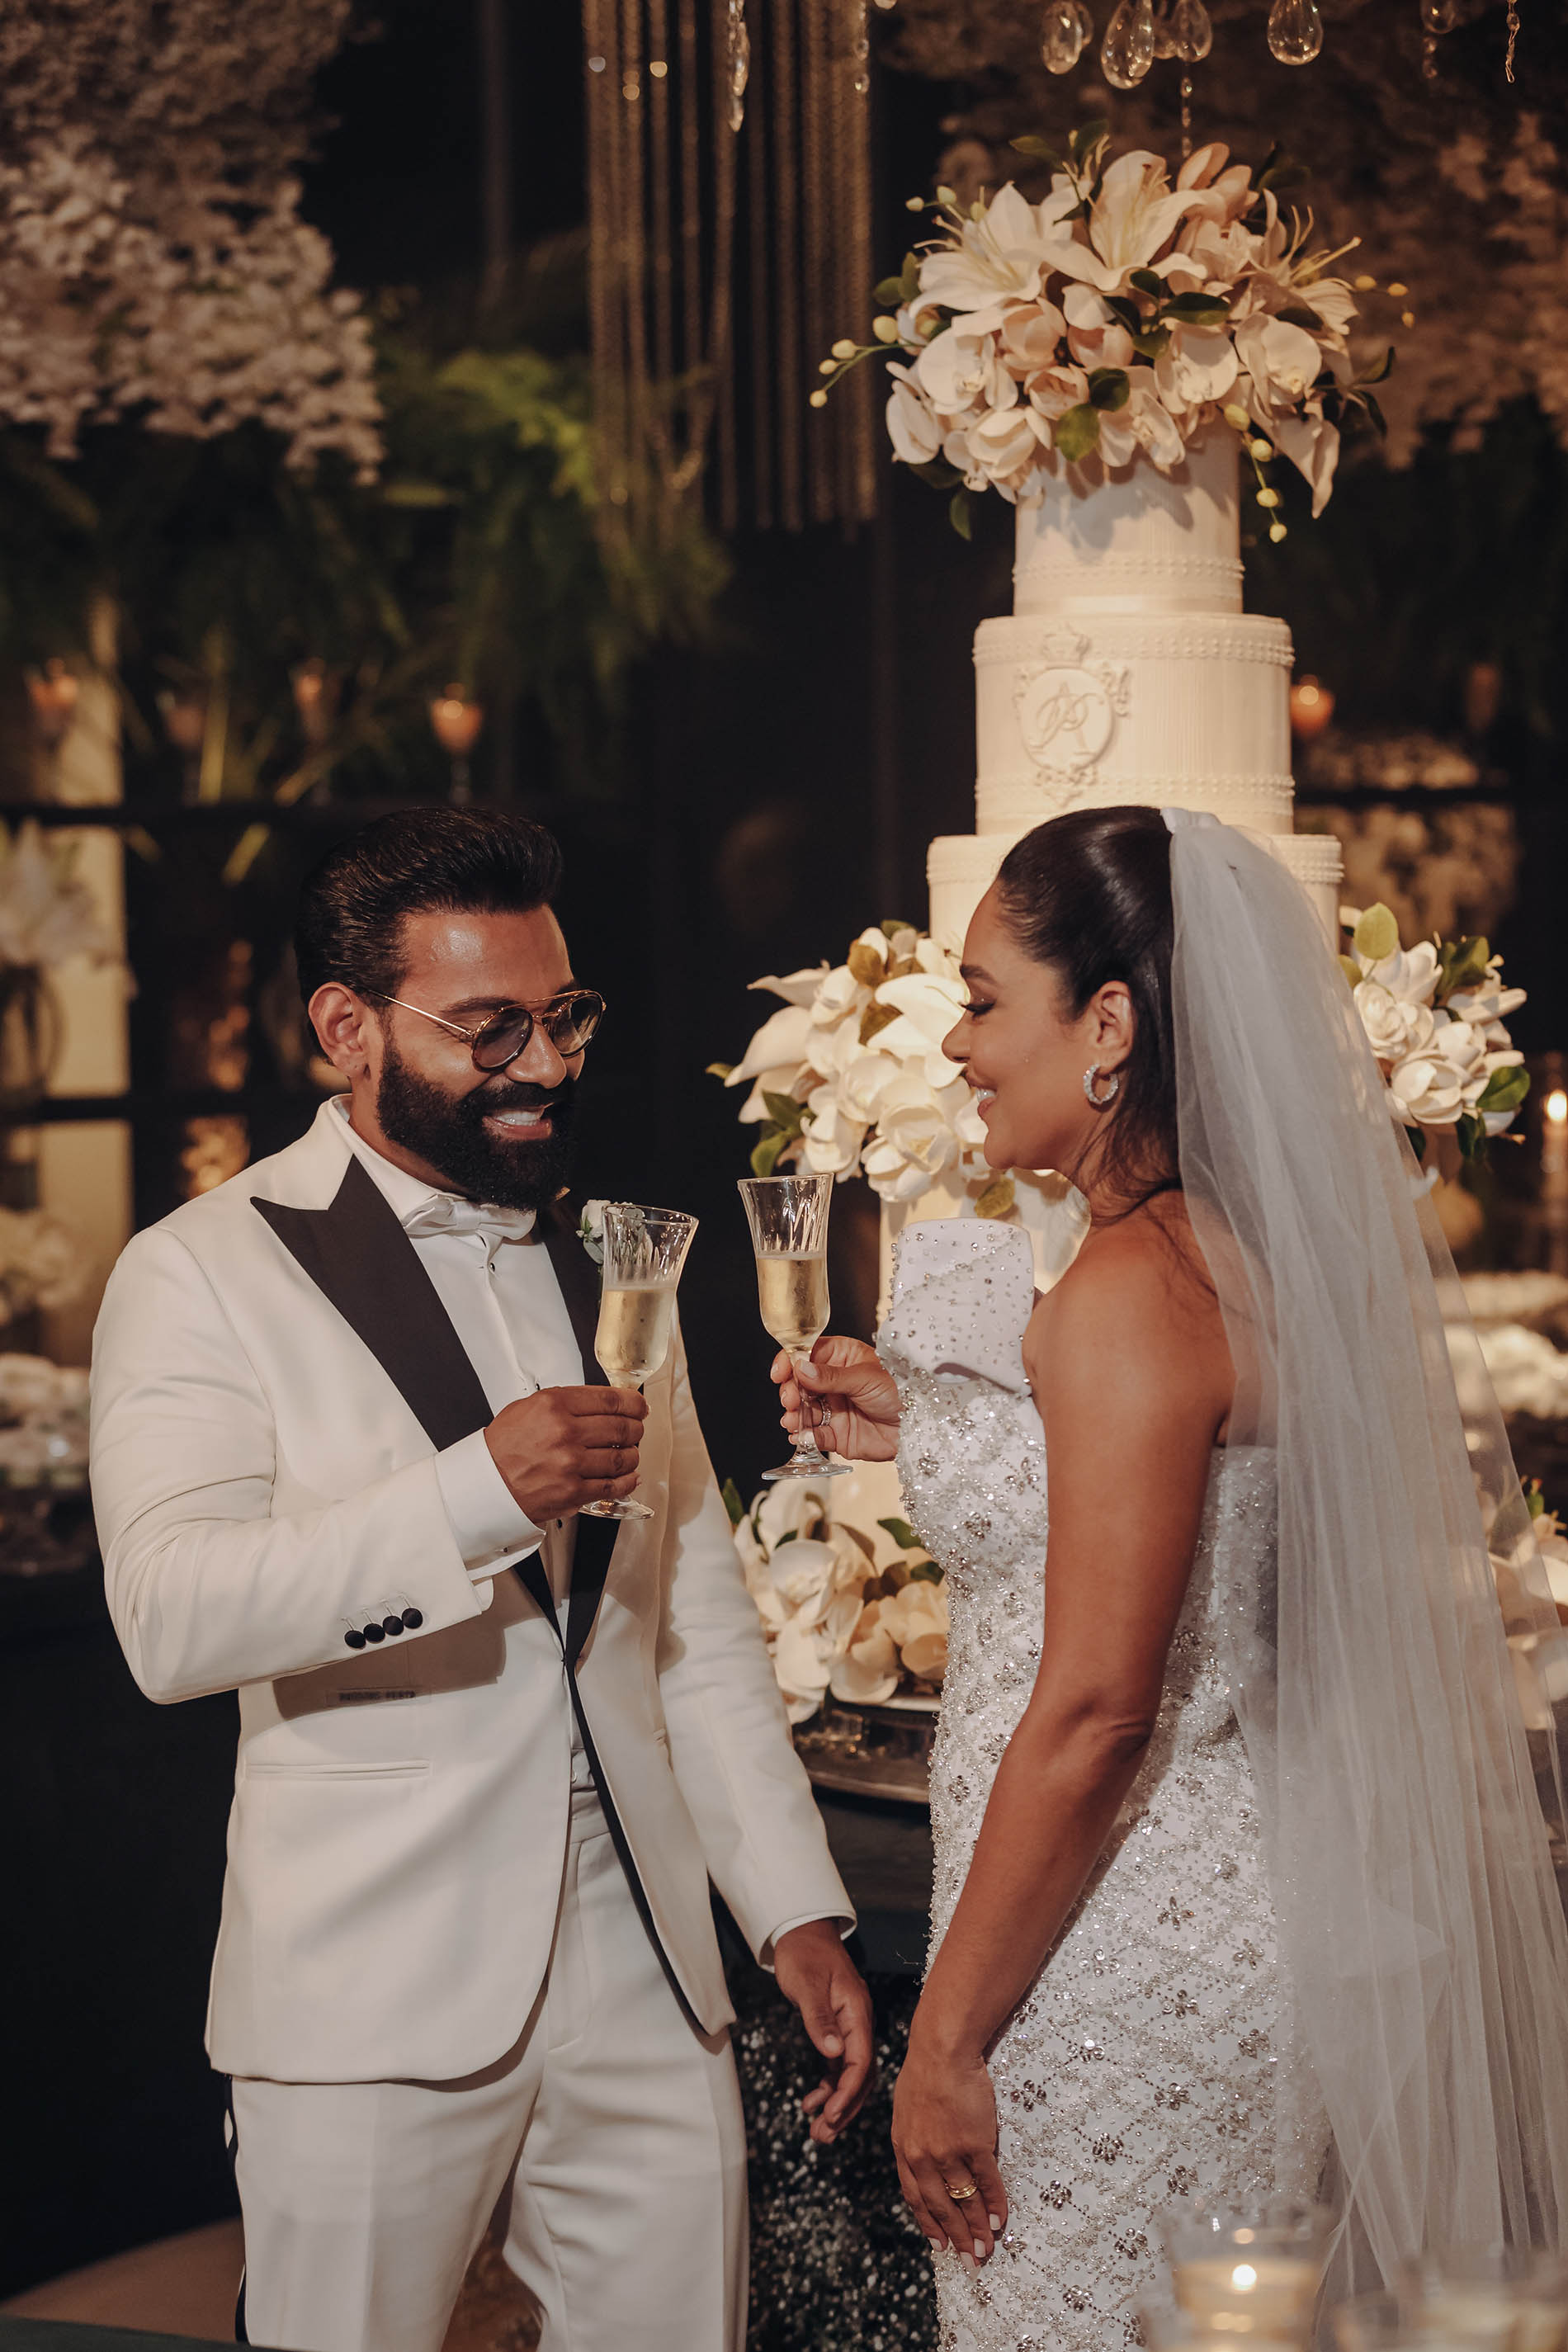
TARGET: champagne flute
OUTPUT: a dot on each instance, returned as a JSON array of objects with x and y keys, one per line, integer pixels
[
  {"x": 644, "y": 1250},
  {"x": 788, "y": 1217}
]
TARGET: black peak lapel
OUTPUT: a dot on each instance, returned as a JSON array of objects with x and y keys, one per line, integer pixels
[{"x": 359, "y": 1256}]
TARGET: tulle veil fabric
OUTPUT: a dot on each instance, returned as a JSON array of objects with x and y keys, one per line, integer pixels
[{"x": 1422, "y": 1935}]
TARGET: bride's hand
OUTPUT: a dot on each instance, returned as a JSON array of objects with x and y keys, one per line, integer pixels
[
  {"x": 944, "y": 2137},
  {"x": 850, "y": 1402}
]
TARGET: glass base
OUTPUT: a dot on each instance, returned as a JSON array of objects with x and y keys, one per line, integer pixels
[
  {"x": 628, "y": 1507},
  {"x": 802, "y": 1466}
]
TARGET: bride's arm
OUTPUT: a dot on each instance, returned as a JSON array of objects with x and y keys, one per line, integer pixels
[
  {"x": 1129, "y": 1369},
  {"x": 849, "y": 1401}
]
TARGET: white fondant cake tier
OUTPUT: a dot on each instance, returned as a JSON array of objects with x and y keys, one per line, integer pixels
[
  {"x": 1134, "y": 541},
  {"x": 1100, "y": 705},
  {"x": 961, "y": 867}
]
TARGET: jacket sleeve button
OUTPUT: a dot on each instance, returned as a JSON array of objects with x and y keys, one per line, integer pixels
[
  {"x": 353, "y": 1639},
  {"x": 414, "y": 1618},
  {"x": 374, "y": 1632},
  {"x": 391, "y": 1626}
]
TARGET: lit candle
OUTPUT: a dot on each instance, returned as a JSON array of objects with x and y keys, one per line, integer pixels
[
  {"x": 1236, "y": 2292},
  {"x": 1554, "y": 1138}
]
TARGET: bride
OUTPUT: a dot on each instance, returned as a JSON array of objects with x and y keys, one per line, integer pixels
[{"x": 1243, "y": 1887}]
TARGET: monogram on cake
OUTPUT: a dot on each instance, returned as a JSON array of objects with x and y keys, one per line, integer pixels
[{"x": 1127, "y": 672}]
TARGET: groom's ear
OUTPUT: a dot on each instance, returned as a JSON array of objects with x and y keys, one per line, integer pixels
[
  {"x": 1113, "y": 1023},
  {"x": 342, "y": 1022}
]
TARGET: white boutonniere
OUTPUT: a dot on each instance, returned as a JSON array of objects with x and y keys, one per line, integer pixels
[{"x": 591, "y": 1230}]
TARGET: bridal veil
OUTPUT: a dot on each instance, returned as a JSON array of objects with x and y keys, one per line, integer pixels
[{"x": 1422, "y": 1937}]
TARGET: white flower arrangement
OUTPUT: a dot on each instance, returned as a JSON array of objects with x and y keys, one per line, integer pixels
[
  {"x": 1435, "y": 1016},
  {"x": 850, "y": 1078},
  {"x": 46, "y": 914},
  {"x": 43, "y": 1422},
  {"x": 591, "y": 1230},
  {"x": 41, "y": 1263},
  {"x": 1118, "y": 319},
  {"x": 841, "y": 1612}
]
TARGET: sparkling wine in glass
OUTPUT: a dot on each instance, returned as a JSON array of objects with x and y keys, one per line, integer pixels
[
  {"x": 644, "y": 1250},
  {"x": 788, "y": 1217}
]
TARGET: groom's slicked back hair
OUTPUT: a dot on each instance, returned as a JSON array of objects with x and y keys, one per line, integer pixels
[{"x": 418, "y": 861}]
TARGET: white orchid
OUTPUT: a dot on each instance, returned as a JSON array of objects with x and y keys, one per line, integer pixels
[
  {"x": 1005, "y": 446},
  {"x": 914, "y": 426},
  {"x": 958, "y": 373},
  {"x": 1199, "y": 365}
]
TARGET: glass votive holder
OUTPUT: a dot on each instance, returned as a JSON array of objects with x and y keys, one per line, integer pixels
[
  {"x": 1516, "y": 2295},
  {"x": 1167, "y": 2328},
  {"x": 1251, "y": 2270},
  {"x": 1385, "y": 2322}
]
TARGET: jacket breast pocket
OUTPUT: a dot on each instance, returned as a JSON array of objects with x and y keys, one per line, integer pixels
[{"x": 328, "y": 1770}]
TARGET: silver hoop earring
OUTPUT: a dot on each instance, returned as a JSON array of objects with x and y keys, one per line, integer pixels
[{"x": 1112, "y": 1087}]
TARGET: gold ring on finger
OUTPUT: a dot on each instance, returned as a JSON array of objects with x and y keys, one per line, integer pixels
[{"x": 960, "y": 2195}]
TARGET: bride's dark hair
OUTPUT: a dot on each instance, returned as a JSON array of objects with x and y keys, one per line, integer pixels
[{"x": 1088, "y": 896}]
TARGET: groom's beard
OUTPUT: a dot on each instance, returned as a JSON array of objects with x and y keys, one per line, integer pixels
[{"x": 448, "y": 1133}]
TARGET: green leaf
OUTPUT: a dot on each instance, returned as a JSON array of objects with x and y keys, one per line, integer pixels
[
  {"x": 909, "y": 277},
  {"x": 937, "y": 473},
  {"x": 1417, "y": 1137},
  {"x": 1109, "y": 389},
  {"x": 1126, "y": 313},
  {"x": 875, "y": 1018},
  {"x": 765, "y": 1151},
  {"x": 1351, "y": 969},
  {"x": 888, "y": 292},
  {"x": 1472, "y": 1135},
  {"x": 1506, "y": 1088},
  {"x": 1078, "y": 433},
  {"x": 1377, "y": 933},
  {"x": 790, "y": 1535},
  {"x": 1280, "y": 172},
  {"x": 1534, "y": 1500},
  {"x": 1041, "y": 151},
  {"x": 903, "y": 1535},
  {"x": 717, "y": 1069},
  {"x": 857, "y": 1536},
  {"x": 733, "y": 1502},
  {"x": 1196, "y": 310},
  {"x": 1150, "y": 343},
  {"x": 925, "y": 1571},
  {"x": 1148, "y": 281},
  {"x": 1296, "y": 314},
  {"x": 958, "y": 513},
  {"x": 892, "y": 923},
  {"x": 786, "y": 1111},
  {"x": 866, "y": 965},
  {"x": 1379, "y": 373},
  {"x": 1375, "y": 412},
  {"x": 1088, "y": 137}
]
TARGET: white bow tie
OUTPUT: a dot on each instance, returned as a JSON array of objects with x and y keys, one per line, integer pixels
[{"x": 445, "y": 1214}]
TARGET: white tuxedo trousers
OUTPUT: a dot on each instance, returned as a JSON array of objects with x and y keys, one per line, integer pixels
[{"x": 618, "y": 2124}]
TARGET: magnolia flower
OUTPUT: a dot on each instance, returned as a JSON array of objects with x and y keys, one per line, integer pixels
[
  {"x": 917, "y": 1620},
  {"x": 1005, "y": 445},
  {"x": 1031, "y": 332},
  {"x": 1487, "y": 1008},
  {"x": 1391, "y": 1022},
  {"x": 1410, "y": 974},
  {"x": 1096, "y": 336},
  {"x": 777, "y": 1053},
  {"x": 591, "y": 1230},
  {"x": 916, "y": 1137},
  {"x": 929, "y": 1005},
  {"x": 1425, "y": 1090},
  {"x": 867, "y": 1673},
  {"x": 831, "y": 1146}
]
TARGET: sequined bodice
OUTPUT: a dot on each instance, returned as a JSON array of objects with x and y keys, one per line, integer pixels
[{"x": 1144, "y": 2061}]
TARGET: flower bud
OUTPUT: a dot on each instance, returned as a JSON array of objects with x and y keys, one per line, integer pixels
[
  {"x": 827, "y": 367},
  {"x": 1236, "y": 418},
  {"x": 817, "y": 400},
  {"x": 1267, "y": 498},
  {"x": 1277, "y": 531},
  {"x": 1261, "y": 450},
  {"x": 843, "y": 348},
  {"x": 885, "y": 329}
]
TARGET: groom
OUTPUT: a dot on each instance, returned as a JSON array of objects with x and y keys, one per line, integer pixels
[{"x": 345, "y": 1411}]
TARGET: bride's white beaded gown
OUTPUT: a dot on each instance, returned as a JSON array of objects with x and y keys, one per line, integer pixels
[{"x": 1148, "y": 2059}]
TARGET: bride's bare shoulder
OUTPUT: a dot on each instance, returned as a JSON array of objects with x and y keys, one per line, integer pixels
[{"x": 1137, "y": 1304}]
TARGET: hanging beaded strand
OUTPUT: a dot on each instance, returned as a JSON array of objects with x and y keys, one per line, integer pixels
[
  {"x": 1513, "y": 38},
  {"x": 1186, "y": 116}
]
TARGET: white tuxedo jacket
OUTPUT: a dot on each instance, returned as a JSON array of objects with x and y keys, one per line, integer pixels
[{"x": 273, "y": 1374}]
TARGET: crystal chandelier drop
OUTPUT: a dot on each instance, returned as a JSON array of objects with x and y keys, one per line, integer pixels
[
  {"x": 1127, "y": 51},
  {"x": 1295, "y": 31}
]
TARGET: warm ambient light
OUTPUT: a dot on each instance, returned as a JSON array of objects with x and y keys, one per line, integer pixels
[
  {"x": 1244, "y": 2276},
  {"x": 1557, "y": 1107},
  {"x": 1311, "y": 708}
]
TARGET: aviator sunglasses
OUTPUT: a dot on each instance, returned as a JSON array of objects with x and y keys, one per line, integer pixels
[{"x": 568, "y": 1022}]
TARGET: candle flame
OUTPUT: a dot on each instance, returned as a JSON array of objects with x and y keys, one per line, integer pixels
[
  {"x": 1244, "y": 2276},
  {"x": 1557, "y": 1107}
]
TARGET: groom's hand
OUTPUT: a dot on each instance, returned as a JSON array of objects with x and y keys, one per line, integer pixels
[
  {"x": 816, "y": 1974},
  {"x": 563, "y": 1447}
]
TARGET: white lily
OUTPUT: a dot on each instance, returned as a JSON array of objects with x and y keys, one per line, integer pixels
[
  {"x": 1134, "y": 217},
  {"x": 997, "y": 260}
]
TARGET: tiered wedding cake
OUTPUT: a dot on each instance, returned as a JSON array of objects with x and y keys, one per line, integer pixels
[{"x": 1128, "y": 672}]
